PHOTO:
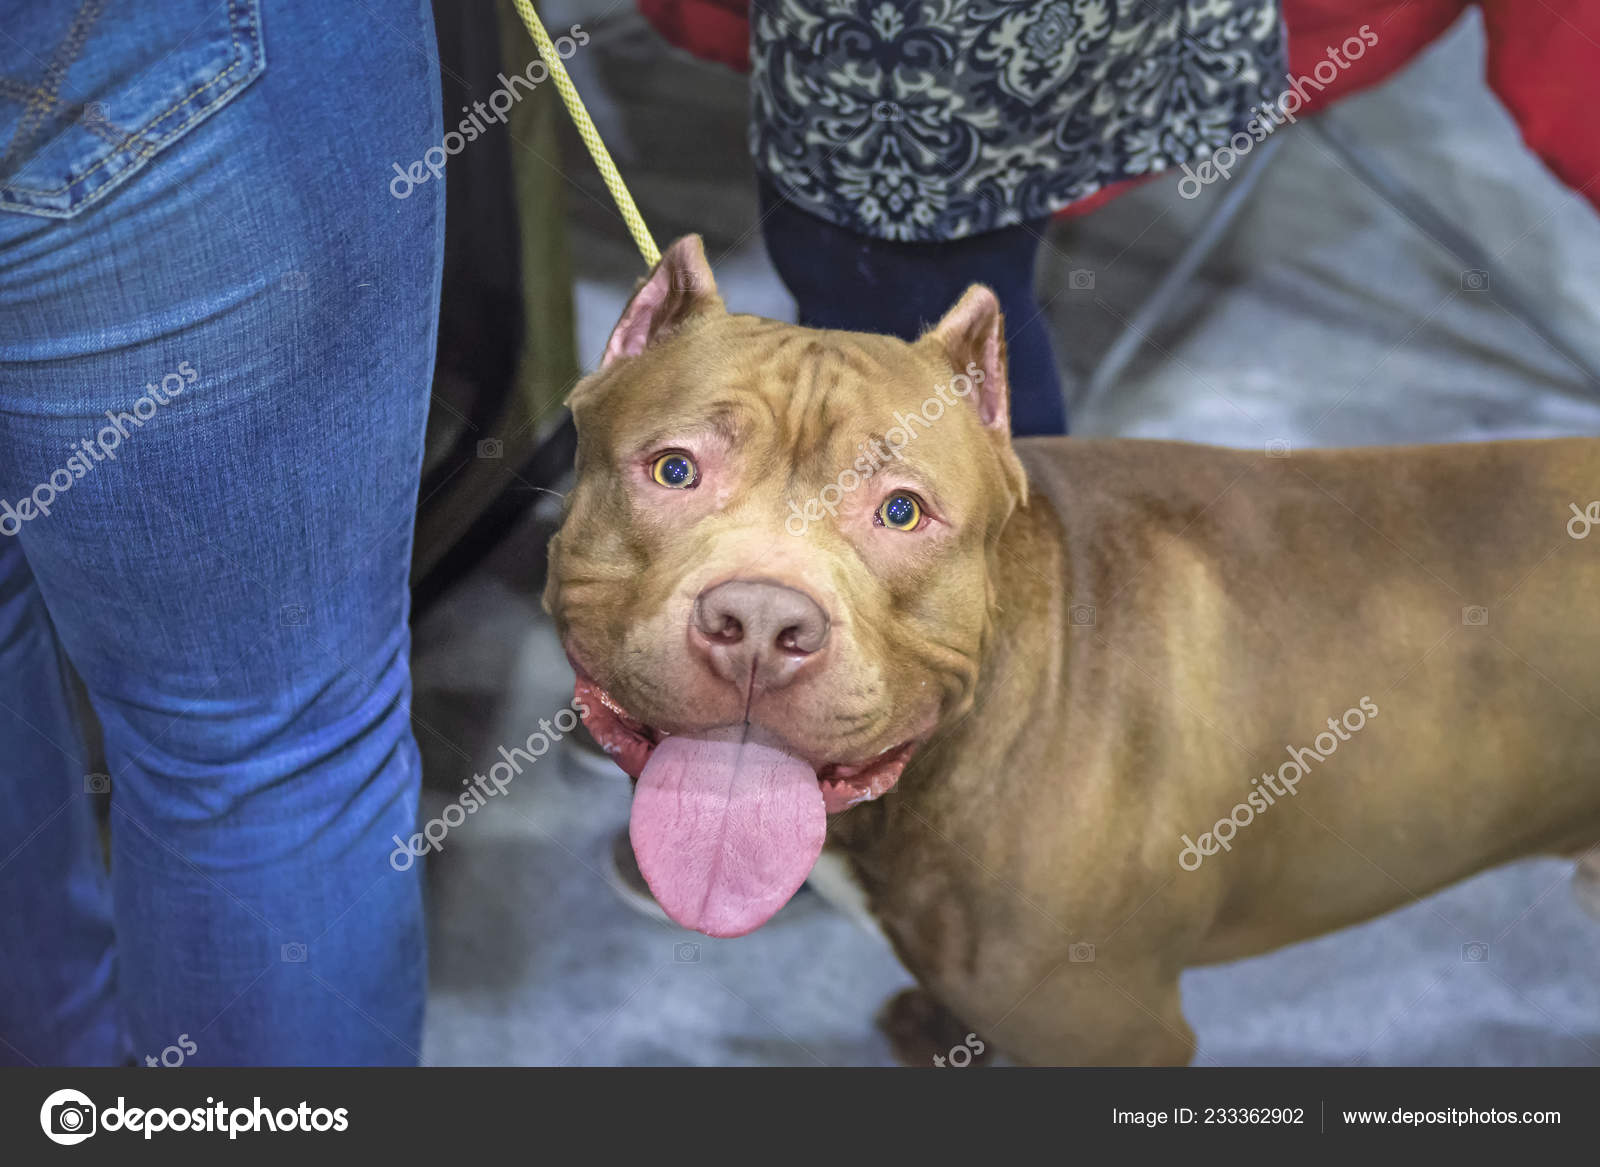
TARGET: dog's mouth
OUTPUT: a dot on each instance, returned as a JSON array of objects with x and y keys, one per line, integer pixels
[
  {"x": 630, "y": 742},
  {"x": 727, "y": 823}
]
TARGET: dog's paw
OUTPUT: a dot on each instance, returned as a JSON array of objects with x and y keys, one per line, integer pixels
[
  {"x": 1586, "y": 884},
  {"x": 923, "y": 1032}
]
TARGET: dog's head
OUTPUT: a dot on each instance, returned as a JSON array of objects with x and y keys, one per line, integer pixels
[{"x": 776, "y": 572}]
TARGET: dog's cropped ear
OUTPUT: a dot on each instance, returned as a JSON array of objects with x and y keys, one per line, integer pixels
[
  {"x": 972, "y": 336},
  {"x": 680, "y": 288}
]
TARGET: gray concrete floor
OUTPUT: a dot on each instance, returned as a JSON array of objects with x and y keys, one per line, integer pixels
[{"x": 1324, "y": 320}]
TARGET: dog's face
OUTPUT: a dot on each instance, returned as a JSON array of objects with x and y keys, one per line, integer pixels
[{"x": 774, "y": 576}]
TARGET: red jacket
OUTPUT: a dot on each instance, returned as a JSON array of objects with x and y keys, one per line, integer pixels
[{"x": 1543, "y": 61}]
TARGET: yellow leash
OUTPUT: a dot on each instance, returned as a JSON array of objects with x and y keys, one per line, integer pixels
[{"x": 591, "y": 136}]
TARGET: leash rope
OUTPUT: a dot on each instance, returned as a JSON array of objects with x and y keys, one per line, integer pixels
[{"x": 590, "y": 135}]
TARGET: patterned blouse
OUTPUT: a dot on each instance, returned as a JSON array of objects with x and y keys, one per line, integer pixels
[{"x": 934, "y": 119}]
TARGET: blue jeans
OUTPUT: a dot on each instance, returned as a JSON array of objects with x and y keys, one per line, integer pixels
[{"x": 216, "y": 343}]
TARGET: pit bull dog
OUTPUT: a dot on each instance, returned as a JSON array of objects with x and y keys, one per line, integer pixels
[{"x": 1077, "y": 714}]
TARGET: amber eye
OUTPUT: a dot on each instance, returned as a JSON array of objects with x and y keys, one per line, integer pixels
[
  {"x": 675, "y": 470},
  {"x": 901, "y": 511}
]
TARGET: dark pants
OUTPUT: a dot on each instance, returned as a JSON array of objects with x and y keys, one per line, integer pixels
[{"x": 841, "y": 279}]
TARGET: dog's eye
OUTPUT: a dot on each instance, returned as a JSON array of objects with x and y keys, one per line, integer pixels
[
  {"x": 675, "y": 471},
  {"x": 901, "y": 510}
]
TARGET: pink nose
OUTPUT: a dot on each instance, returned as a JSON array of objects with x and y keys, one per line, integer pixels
[{"x": 754, "y": 631}]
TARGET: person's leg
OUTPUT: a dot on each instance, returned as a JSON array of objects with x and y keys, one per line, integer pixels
[
  {"x": 232, "y": 584},
  {"x": 57, "y": 967},
  {"x": 841, "y": 279}
]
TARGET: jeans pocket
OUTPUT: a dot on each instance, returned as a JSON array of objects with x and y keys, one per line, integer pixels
[{"x": 91, "y": 91}]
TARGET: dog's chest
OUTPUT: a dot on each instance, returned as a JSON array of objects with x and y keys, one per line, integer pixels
[{"x": 833, "y": 880}]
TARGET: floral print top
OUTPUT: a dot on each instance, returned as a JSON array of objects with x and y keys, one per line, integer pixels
[{"x": 935, "y": 119}]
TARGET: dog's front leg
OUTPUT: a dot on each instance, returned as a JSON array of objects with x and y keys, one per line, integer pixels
[{"x": 1085, "y": 1013}]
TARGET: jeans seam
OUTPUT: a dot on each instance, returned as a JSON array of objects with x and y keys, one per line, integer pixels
[
  {"x": 110, "y": 133},
  {"x": 20, "y": 92},
  {"x": 148, "y": 147},
  {"x": 106, "y": 130},
  {"x": 44, "y": 94}
]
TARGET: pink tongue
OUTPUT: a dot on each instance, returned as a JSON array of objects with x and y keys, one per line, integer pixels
[{"x": 725, "y": 831}]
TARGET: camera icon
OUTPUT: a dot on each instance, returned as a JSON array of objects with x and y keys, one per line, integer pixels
[
  {"x": 1278, "y": 448},
  {"x": 68, "y": 1117},
  {"x": 1475, "y": 952},
  {"x": 1081, "y": 280},
  {"x": 491, "y": 448},
  {"x": 1475, "y": 280},
  {"x": 686, "y": 953},
  {"x": 293, "y": 953},
  {"x": 72, "y": 1118},
  {"x": 96, "y": 113},
  {"x": 294, "y": 281},
  {"x": 1475, "y": 616},
  {"x": 292, "y": 615},
  {"x": 1081, "y": 953},
  {"x": 888, "y": 111},
  {"x": 97, "y": 783},
  {"x": 1081, "y": 615}
]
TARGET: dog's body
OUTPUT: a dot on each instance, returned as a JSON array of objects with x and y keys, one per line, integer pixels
[
  {"x": 1084, "y": 673},
  {"x": 1237, "y": 603}
]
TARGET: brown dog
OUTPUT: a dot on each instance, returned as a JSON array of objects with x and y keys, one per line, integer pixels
[{"x": 1079, "y": 714}]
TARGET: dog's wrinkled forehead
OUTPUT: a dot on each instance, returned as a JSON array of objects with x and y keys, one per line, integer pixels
[
  {"x": 765, "y": 389},
  {"x": 809, "y": 404}
]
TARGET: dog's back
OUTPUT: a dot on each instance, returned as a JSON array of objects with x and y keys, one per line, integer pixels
[{"x": 1451, "y": 587}]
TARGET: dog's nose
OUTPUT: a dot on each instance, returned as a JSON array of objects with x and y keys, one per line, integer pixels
[{"x": 760, "y": 631}]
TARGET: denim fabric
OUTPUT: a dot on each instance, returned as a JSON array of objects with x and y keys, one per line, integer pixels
[
  {"x": 842, "y": 279},
  {"x": 216, "y": 341}
]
